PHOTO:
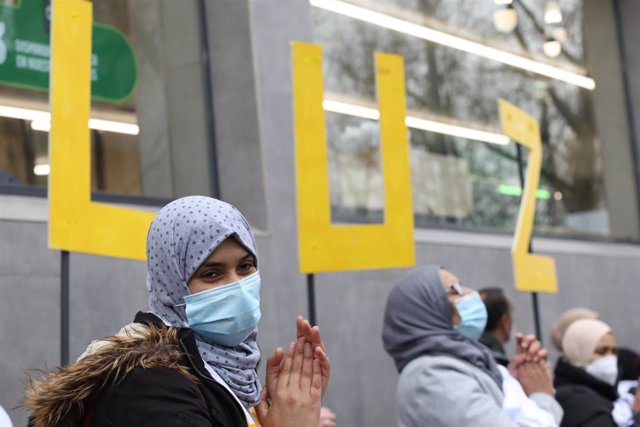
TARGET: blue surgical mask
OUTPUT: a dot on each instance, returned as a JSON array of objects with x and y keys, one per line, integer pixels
[
  {"x": 473, "y": 315},
  {"x": 226, "y": 315}
]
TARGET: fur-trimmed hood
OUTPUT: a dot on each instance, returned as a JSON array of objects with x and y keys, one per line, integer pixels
[{"x": 62, "y": 397}]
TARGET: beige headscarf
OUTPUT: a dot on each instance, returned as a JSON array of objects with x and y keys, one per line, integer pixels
[
  {"x": 581, "y": 339},
  {"x": 567, "y": 318}
]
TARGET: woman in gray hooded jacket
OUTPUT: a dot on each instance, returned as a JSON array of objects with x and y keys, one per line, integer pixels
[{"x": 447, "y": 378}]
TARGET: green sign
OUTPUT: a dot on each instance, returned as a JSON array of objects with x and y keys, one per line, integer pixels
[{"x": 25, "y": 53}]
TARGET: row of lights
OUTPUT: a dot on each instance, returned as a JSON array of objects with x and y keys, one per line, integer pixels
[
  {"x": 505, "y": 19},
  {"x": 41, "y": 121},
  {"x": 349, "y": 109},
  {"x": 454, "y": 42}
]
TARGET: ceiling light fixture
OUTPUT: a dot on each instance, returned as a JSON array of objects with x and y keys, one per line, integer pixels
[
  {"x": 41, "y": 170},
  {"x": 40, "y": 121},
  {"x": 112, "y": 126},
  {"x": 41, "y": 125},
  {"x": 552, "y": 47},
  {"x": 41, "y": 167},
  {"x": 454, "y": 42},
  {"x": 552, "y": 13},
  {"x": 23, "y": 113},
  {"x": 505, "y": 19}
]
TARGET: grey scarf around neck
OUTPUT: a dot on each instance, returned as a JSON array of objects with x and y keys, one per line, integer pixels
[
  {"x": 417, "y": 322},
  {"x": 181, "y": 237}
]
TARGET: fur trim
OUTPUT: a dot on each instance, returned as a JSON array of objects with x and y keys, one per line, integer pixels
[{"x": 61, "y": 398}]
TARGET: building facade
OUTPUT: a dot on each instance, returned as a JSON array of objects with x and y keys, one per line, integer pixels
[{"x": 212, "y": 110}]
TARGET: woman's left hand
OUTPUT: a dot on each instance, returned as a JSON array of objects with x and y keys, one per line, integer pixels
[
  {"x": 297, "y": 395},
  {"x": 313, "y": 337}
]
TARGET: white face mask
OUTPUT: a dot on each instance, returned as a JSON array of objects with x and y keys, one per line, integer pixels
[{"x": 605, "y": 369}]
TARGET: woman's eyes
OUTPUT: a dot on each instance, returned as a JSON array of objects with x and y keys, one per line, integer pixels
[
  {"x": 604, "y": 350},
  {"x": 210, "y": 274},
  {"x": 245, "y": 266}
]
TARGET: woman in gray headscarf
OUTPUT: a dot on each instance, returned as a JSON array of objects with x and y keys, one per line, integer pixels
[
  {"x": 192, "y": 359},
  {"x": 448, "y": 378}
]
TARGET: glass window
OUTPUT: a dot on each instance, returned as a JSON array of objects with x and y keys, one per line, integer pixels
[
  {"x": 150, "y": 137},
  {"x": 472, "y": 181}
]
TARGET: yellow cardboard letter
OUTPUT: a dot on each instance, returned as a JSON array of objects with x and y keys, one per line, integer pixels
[
  {"x": 322, "y": 245},
  {"x": 75, "y": 222},
  {"x": 533, "y": 273}
]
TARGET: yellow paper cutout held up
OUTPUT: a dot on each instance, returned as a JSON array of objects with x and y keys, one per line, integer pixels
[
  {"x": 326, "y": 247},
  {"x": 533, "y": 273},
  {"x": 75, "y": 222}
]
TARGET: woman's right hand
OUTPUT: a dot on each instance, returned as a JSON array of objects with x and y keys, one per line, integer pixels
[
  {"x": 297, "y": 396},
  {"x": 535, "y": 377},
  {"x": 528, "y": 349}
]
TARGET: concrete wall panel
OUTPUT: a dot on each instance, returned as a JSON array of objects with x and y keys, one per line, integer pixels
[
  {"x": 29, "y": 309},
  {"x": 105, "y": 295}
]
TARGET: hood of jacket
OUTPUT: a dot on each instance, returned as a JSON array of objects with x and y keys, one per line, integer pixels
[{"x": 62, "y": 397}]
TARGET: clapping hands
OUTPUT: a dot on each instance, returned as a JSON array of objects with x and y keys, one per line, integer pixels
[
  {"x": 292, "y": 379},
  {"x": 295, "y": 401},
  {"x": 530, "y": 365}
]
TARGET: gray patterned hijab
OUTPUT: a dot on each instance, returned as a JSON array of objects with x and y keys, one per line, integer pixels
[
  {"x": 417, "y": 322},
  {"x": 181, "y": 237}
]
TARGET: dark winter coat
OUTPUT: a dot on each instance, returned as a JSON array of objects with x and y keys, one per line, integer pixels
[
  {"x": 587, "y": 401},
  {"x": 155, "y": 378}
]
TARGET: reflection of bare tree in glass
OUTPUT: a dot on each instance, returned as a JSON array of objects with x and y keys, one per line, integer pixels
[
  {"x": 354, "y": 148},
  {"x": 434, "y": 95},
  {"x": 572, "y": 167},
  {"x": 452, "y": 84}
]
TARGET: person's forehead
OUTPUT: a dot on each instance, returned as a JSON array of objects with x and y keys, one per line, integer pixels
[
  {"x": 447, "y": 277},
  {"x": 607, "y": 339},
  {"x": 230, "y": 245}
]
